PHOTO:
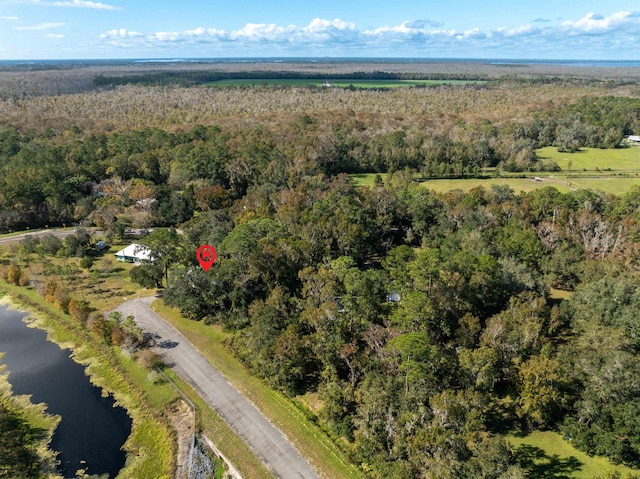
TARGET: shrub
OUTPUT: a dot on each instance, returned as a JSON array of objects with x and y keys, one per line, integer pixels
[
  {"x": 86, "y": 262},
  {"x": 149, "y": 359},
  {"x": 79, "y": 310},
  {"x": 50, "y": 244},
  {"x": 14, "y": 273}
]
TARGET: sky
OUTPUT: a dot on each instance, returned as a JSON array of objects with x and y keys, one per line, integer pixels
[{"x": 514, "y": 29}]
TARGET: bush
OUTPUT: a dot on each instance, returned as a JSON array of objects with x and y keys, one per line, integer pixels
[
  {"x": 149, "y": 359},
  {"x": 79, "y": 310},
  {"x": 86, "y": 262},
  {"x": 14, "y": 274},
  {"x": 24, "y": 279},
  {"x": 51, "y": 245}
]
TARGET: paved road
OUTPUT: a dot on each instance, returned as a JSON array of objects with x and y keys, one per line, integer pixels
[
  {"x": 64, "y": 232},
  {"x": 242, "y": 416},
  {"x": 60, "y": 233}
]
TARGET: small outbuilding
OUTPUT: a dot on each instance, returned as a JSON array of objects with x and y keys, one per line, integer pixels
[
  {"x": 393, "y": 297},
  {"x": 134, "y": 253},
  {"x": 634, "y": 138},
  {"x": 100, "y": 245}
]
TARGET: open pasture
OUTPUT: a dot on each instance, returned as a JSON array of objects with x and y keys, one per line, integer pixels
[
  {"x": 518, "y": 185},
  {"x": 465, "y": 184},
  {"x": 593, "y": 159}
]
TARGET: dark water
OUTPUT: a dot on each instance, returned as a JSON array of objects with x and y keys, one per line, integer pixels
[{"x": 91, "y": 429}]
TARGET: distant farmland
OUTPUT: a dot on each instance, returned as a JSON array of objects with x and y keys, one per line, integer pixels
[
  {"x": 594, "y": 159},
  {"x": 341, "y": 83}
]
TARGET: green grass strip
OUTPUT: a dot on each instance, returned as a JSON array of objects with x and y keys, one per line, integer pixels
[{"x": 311, "y": 441}]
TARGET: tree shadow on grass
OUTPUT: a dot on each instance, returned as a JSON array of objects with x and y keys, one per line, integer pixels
[{"x": 540, "y": 465}]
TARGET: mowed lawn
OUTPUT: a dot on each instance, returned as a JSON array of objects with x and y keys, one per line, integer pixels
[
  {"x": 607, "y": 184},
  {"x": 616, "y": 185},
  {"x": 342, "y": 83},
  {"x": 545, "y": 454},
  {"x": 516, "y": 184},
  {"x": 593, "y": 159},
  {"x": 442, "y": 186}
]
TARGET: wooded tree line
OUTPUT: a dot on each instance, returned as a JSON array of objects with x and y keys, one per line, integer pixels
[
  {"x": 192, "y": 78},
  {"x": 152, "y": 176}
]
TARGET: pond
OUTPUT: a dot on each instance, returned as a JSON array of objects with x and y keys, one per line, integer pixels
[{"x": 92, "y": 431}]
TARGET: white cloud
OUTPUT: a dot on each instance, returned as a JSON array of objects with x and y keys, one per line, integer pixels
[
  {"x": 41, "y": 26},
  {"x": 9, "y": 18},
  {"x": 120, "y": 33},
  {"x": 84, "y": 4},
  {"x": 54, "y": 35},
  {"x": 70, "y": 4},
  {"x": 595, "y": 23},
  {"x": 420, "y": 37}
]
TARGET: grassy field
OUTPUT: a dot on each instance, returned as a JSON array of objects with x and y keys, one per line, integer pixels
[
  {"x": 612, "y": 171},
  {"x": 593, "y": 159},
  {"x": 367, "y": 179},
  {"x": 339, "y": 83},
  {"x": 547, "y": 455},
  {"x": 610, "y": 184},
  {"x": 104, "y": 285},
  {"x": 606, "y": 184},
  {"x": 312, "y": 442},
  {"x": 516, "y": 184},
  {"x": 442, "y": 186},
  {"x": 559, "y": 294}
]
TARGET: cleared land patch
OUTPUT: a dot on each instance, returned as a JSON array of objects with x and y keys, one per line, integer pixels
[
  {"x": 465, "y": 184},
  {"x": 547, "y": 454},
  {"x": 516, "y": 184},
  {"x": 593, "y": 159},
  {"x": 612, "y": 171}
]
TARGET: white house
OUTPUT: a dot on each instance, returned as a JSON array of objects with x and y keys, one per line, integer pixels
[
  {"x": 634, "y": 138},
  {"x": 134, "y": 253}
]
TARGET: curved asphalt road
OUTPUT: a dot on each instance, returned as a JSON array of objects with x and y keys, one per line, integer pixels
[{"x": 242, "y": 416}]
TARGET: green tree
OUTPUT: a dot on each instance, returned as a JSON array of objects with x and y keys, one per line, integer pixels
[
  {"x": 166, "y": 250},
  {"x": 542, "y": 391},
  {"x": 147, "y": 275}
]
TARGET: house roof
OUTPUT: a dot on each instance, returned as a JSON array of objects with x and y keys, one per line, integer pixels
[
  {"x": 135, "y": 251},
  {"x": 634, "y": 137}
]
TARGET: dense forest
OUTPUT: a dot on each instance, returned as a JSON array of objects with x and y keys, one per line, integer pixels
[
  {"x": 158, "y": 176},
  {"x": 423, "y": 322}
]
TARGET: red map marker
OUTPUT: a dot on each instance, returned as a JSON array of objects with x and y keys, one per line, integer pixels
[{"x": 206, "y": 255}]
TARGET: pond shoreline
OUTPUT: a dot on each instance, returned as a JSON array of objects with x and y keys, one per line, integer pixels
[
  {"x": 151, "y": 437},
  {"x": 91, "y": 430}
]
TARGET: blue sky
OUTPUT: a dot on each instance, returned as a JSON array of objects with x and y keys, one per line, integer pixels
[{"x": 549, "y": 29}]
